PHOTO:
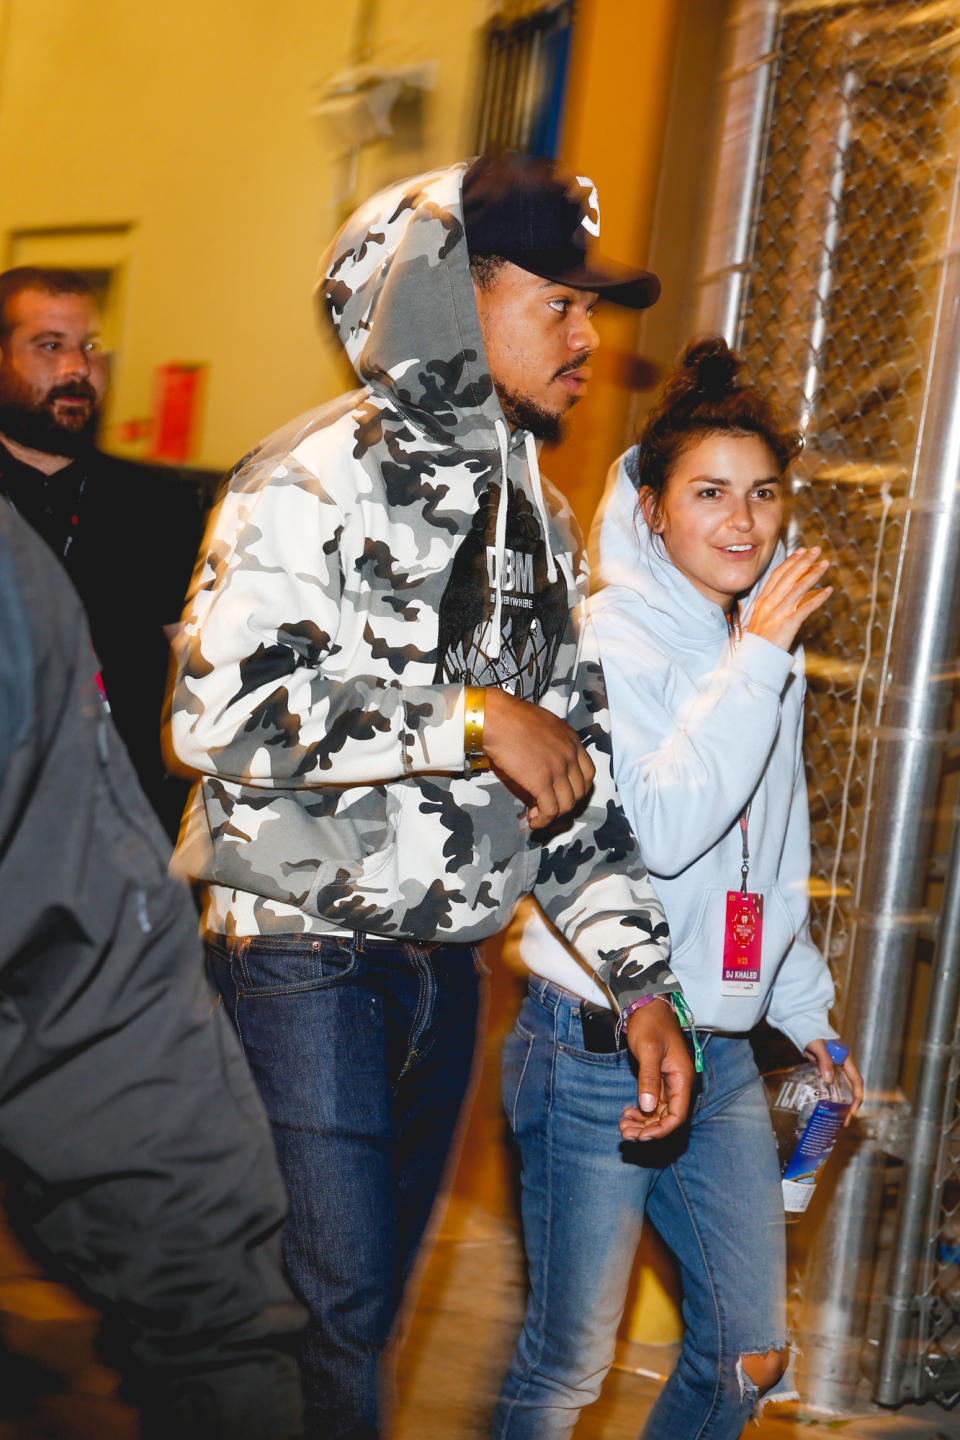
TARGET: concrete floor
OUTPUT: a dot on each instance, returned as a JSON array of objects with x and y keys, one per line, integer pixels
[
  {"x": 459, "y": 1337},
  {"x": 467, "y": 1315}
]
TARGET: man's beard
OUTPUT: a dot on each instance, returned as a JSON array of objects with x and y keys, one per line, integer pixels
[
  {"x": 526, "y": 414},
  {"x": 34, "y": 423}
]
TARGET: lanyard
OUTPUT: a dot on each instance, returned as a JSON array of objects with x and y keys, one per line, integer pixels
[
  {"x": 745, "y": 862},
  {"x": 75, "y": 517},
  {"x": 735, "y": 632}
]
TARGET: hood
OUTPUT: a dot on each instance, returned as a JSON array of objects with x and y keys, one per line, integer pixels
[
  {"x": 626, "y": 555},
  {"x": 396, "y": 285}
]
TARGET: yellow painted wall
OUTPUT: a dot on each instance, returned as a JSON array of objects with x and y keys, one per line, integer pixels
[
  {"x": 175, "y": 142},
  {"x": 185, "y": 126},
  {"x": 613, "y": 131}
]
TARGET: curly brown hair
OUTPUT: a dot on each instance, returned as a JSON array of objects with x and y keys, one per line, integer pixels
[{"x": 706, "y": 395}]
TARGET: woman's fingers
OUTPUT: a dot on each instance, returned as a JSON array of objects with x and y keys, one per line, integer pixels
[
  {"x": 785, "y": 576},
  {"x": 815, "y": 599},
  {"x": 789, "y": 597},
  {"x": 794, "y": 576}
]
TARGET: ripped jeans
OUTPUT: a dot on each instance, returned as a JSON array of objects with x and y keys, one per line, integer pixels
[{"x": 712, "y": 1192}]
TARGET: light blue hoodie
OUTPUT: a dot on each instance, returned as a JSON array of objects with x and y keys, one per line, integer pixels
[{"x": 700, "y": 729}]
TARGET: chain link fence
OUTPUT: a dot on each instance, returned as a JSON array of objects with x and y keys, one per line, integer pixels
[
  {"x": 838, "y": 312},
  {"x": 837, "y": 321}
]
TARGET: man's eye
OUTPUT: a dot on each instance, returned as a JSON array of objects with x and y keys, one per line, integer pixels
[
  {"x": 561, "y": 306},
  {"x": 50, "y": 345}
]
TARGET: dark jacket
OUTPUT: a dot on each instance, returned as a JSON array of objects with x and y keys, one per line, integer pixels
[
  {"x": 127, "y": 535},
  {"x": 133, "y": 1144}
]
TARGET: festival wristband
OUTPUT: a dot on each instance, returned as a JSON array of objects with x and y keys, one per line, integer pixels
[
  {"x": 473, "y": 706},
  {"x": 637, "y": 1004},
  {"x": 684, "y": 1016}
]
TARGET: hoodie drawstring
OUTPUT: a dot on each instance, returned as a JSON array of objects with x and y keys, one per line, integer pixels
[
  {"x": 533, "y": 466},
  {"x": 500, "y": 541},
  {"x": 500, "y": 532}
]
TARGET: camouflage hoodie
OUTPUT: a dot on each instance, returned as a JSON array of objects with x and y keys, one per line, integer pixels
[{"x": 364, "y": 565}]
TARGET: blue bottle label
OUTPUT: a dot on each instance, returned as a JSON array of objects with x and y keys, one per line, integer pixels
[{"x": 816, "y": 1142}]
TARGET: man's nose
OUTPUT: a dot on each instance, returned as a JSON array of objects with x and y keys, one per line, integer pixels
[
  {"x": 583, "y": 335},
  {"x": 75, "y": 360}
]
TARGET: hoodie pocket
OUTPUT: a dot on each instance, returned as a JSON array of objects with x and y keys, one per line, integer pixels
[
  {"x": 782, "y": 925},
  {"x": 365, "y": 890},
  {"x": 301, "y": 847},
  {"x": 693, "y": 926}
]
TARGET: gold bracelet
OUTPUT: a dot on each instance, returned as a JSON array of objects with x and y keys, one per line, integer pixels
[{"x": 473, "y": 705}]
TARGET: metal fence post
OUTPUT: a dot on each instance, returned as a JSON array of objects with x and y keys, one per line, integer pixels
[
  {"x": 905, "y": 762},
  {"x": 898, "y": 1372},
  {"x": 737, "y": 168}
]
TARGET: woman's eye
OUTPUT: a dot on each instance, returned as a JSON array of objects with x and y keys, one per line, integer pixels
[
  {"x": 709, "y": 492},
  {"x": 764, "y": 492}
]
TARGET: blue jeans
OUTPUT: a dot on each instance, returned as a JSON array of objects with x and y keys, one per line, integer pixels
[
  {"x": 712, "y": 1192},
  {"x": 362, "y": 1050}
]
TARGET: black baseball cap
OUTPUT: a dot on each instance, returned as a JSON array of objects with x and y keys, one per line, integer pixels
[{"x": 524, "y": 208}]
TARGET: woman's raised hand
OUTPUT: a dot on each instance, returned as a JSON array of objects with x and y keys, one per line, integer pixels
[{"x": 789, "y": 597}]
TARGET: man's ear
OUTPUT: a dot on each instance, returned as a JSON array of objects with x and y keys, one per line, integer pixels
[{"x": 650, "y": 510}]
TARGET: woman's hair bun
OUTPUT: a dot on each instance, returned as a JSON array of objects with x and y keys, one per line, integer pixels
[
  {"x": 709, "y": 367},
  {"x": 709, "y": 393}
]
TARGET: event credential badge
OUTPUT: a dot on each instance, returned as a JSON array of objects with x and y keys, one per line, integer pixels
[{"x": 742, "y": 938}]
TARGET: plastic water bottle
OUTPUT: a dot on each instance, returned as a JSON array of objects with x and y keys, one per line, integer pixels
[{"x": 807, "y": 1115}]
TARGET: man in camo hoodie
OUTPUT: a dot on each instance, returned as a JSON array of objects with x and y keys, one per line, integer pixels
[{"x": 401, "y": 728}]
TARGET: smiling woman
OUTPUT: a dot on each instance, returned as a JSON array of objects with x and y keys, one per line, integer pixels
[
  {"x": 711, "y": 488},
  {"x": 720, "y": 514},
  {"x": 695, "y": 626}
]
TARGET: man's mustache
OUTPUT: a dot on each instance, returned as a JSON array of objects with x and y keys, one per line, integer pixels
[
  {"x": 73, "y": 390},
  {"x": 571, "y": 365}
]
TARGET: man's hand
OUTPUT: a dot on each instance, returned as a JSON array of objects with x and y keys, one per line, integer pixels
[
  {"x": 665, "y": 1081},
  {"x": 818, "y": 1053},
  {"x": 789, "y": 597},
  {"x": 539, "y": 754}
]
